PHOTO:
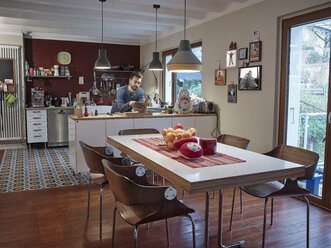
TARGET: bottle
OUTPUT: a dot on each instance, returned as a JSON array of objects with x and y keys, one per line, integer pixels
[{"x": 85, "y": 113}]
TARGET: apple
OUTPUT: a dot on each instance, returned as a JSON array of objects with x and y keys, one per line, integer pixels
[{"x": 178, "y": 125}]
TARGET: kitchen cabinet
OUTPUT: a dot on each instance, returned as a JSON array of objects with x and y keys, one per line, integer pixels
[
  {"x": 157, "y": 123},
  {"x": 36, "y": 126},
  {"x": 205, "y": 125},
  {"x": 187, "y": 122}
]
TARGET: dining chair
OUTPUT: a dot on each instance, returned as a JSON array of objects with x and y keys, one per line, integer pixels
[
  {"x": 139, "y": 202},
  {"x": 137, "y": 131},
  {"x": 93, "y": 156},
  {"x": 291, "y": 187},
  {"x": 239, "y": 142}
]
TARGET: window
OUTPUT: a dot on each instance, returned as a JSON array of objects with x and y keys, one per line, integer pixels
[{"x": 189, "y": 81}]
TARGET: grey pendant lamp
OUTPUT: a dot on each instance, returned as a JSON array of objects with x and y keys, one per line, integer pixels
[
  {"x": 184, "y": 59},
  {"x": 156, "y": 64},
  {"x": 102, "y": 62}
]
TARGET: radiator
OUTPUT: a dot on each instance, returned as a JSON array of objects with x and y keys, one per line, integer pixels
[{"x": 12, "y": 118}]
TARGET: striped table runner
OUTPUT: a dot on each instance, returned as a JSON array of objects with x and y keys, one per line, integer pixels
[{"x": 204, "y": 161}]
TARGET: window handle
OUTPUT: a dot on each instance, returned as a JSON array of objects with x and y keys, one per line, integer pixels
[{"x": 292, "y": 108}]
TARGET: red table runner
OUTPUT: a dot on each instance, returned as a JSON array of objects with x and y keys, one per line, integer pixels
[{"x": 204, "y": 161}]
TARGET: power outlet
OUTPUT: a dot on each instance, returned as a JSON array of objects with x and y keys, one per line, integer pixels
[{"x": 81, "y": 80}]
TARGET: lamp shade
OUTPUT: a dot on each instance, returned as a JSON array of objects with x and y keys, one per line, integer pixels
[
  {"x": 184, "y": 60},
  {"x": 102, "y": 61},
  {"x": 156, "y": 64}
]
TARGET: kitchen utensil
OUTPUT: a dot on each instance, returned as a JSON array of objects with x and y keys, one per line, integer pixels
[{"x": 94, "y": 89}]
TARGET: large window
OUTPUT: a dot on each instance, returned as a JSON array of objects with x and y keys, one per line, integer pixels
[{"x": 172, "y": 83}]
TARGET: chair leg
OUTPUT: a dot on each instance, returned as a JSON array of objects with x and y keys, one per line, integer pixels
[
  {"x": 241, "y": 201},
  {"x": 272, "y": 211},
  {"x": 89, "y": 197},
  {"x": 307, "y": 201},
  {"x": 183, "y": 195},
  {"x": 153, "y": 175},
  {"x": 232, "y": 208},
  {"x": 114, "y": 220},
  {"x": 193, "y": 228},
  {"x": 264, "y": 220},
  {"x": 101, "y": 196},
  {"x": 168, "y": 237},
  {"x": 136, "y": 236}
]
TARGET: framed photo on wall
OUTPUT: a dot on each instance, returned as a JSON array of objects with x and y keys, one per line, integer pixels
[
  {"x": 231, "y": 59},
  {"x": 243, "y": 53},
  {"x": 232, "y": 93},
  {"x": 249, "y": 78},
  {"x": 220, "y": 77},
  {"x": 255, "y": 51}
]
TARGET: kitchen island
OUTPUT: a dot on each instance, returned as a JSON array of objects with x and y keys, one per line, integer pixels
[{"x": 94, "y": 129}]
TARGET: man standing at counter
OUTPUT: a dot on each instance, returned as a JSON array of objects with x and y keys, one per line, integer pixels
[{"x": 128, "y": 95}]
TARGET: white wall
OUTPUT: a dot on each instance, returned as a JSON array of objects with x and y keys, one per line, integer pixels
[
  {"x": 11, "y": 39},
  {"x": 255, "y": 115}
]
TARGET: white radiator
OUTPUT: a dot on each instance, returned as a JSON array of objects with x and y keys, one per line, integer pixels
[{"x": 12, "y": 118}]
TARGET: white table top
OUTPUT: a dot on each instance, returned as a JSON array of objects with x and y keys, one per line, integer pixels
[{"x": 257, "y": 168}]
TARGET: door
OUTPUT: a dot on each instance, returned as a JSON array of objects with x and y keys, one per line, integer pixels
[{"x": 305, "y": 116}]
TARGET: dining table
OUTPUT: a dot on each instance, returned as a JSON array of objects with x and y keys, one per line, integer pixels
[{"x": 229, "y": 167}]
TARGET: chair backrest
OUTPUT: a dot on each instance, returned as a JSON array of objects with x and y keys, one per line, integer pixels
[
  {"x": 92, "y": 158},
  {"x": 138, "y": 131},
  {"x": 299, "y": 156},
  {"x": 124, "y": 190},
  {"x": 233, "y": 141}
]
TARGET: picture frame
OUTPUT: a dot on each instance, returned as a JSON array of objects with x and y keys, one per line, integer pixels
[
  {"x": 243, "y": 53},
  {"x": 220, "y": 77},
  {"x": 255, "y": 51},
  {"x": 232, "y": 93},
  {"x": 231, "y": 58},
  {"x": 250, "y": 77}
]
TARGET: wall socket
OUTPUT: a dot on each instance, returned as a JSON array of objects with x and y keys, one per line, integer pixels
[{"x": 81, "y": 80}]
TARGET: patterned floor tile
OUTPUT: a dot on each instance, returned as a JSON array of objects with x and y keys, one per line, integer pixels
[{"x": 32, "y": 169}]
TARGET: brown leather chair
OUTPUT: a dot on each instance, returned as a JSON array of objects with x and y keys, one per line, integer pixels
[
  {"x": 93, "y": 156},
  {"x": 291, "y": 187},
  {"x": 240, "y": 143},
  {"x": 139, "y": 202}
]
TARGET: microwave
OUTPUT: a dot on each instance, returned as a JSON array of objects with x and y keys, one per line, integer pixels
[{"x": 206, "y": 107}]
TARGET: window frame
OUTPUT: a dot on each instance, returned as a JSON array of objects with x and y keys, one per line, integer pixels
[{"x": 173, "y": 74}]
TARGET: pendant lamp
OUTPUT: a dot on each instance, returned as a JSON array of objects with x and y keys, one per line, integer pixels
[
  {"x": 184, "y": 59},
  {"x": 156, "y": 64},
  {"x": 102, "y": 62}
]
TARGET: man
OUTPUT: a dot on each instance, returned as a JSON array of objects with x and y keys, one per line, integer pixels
[{"x": 128, "y": 95}]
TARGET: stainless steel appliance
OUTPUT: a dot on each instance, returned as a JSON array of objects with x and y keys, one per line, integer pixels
[
  {"x": 206, "y": 107},
  {"x": 57, "y": 126}
]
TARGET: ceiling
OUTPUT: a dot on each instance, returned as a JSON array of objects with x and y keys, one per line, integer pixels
[{"x": 125, "y": 21}]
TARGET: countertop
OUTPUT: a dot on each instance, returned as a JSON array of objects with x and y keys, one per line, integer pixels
[
  {"x": 155, "y": 115},
  {"x": 47, "y": 108}
]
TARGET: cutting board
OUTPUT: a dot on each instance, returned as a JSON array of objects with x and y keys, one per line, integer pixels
[{"x": 134, "y": 114}]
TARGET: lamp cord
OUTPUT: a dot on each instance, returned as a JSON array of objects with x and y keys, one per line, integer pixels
[
  {"x": 185, "y": 20},
  {"x": 102, "y": 24},
  {"x": 155, "y": 29}
]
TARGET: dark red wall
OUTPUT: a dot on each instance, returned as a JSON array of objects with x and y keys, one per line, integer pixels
[{"x": 43, "y": 53}]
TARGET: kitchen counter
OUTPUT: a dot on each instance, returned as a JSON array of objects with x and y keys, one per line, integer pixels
[
  {"x": 47, "y": 108},
  {"x": 154, "y": 115}
]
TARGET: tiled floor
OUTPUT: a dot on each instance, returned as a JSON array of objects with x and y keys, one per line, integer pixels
[{"x": 31, "y": 169}]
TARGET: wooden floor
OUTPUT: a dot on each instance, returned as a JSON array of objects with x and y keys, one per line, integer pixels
[{"x": 57, "y": 218}]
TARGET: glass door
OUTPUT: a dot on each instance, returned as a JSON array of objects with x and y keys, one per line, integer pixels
[{"x": 306, "y": 102}]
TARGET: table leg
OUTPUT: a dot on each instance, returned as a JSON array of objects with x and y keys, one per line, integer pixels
[
  {"x": 207, "y": 220},
  {"x": 220, "y": 223}
]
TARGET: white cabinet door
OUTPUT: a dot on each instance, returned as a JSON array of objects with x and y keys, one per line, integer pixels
[
  {"x": 114, "y": 126},
  {"x": 73, "y": 143},
  {"x": 205, "y": 125},
  {"x": 187, "y": 122},
  {"x": 93, "y": 133},
  {"x": 157, "y": 123}
]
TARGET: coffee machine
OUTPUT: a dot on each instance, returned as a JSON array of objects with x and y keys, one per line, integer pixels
[{"x": 37, "y": 97}]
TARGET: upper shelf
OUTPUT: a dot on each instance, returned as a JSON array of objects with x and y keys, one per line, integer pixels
[{"x": 41, "y": 77}]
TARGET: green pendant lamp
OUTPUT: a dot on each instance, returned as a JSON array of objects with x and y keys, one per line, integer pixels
[
  {"x": 156, "y": 64},
  {"x": 102, "y": 62},
  {"x": 184, "y": 59}
]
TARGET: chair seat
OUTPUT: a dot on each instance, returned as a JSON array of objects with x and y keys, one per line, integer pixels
[
  {"x": 98, "y": 178},
  {"x": 263, "y": 190},
  {"x": 140, "y": 214}
]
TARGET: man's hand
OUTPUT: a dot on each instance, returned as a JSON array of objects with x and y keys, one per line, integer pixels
[{"x": 132, "y": 103}]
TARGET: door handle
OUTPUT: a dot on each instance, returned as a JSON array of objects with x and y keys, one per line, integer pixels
[
  {"x": 292, "y": 109},
  {"x": 329, "y": 118}
]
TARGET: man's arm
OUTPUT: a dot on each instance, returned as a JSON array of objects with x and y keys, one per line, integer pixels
[
  {"x": 120, "y": 100},
  {"x": 141, "y": 95}
]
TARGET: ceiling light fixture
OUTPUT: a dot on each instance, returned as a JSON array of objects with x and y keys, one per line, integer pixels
[
  {"x": 184, "y": 59},
  {"x": 156, "y": 64},
  {"x": 102, "y": 62}
]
